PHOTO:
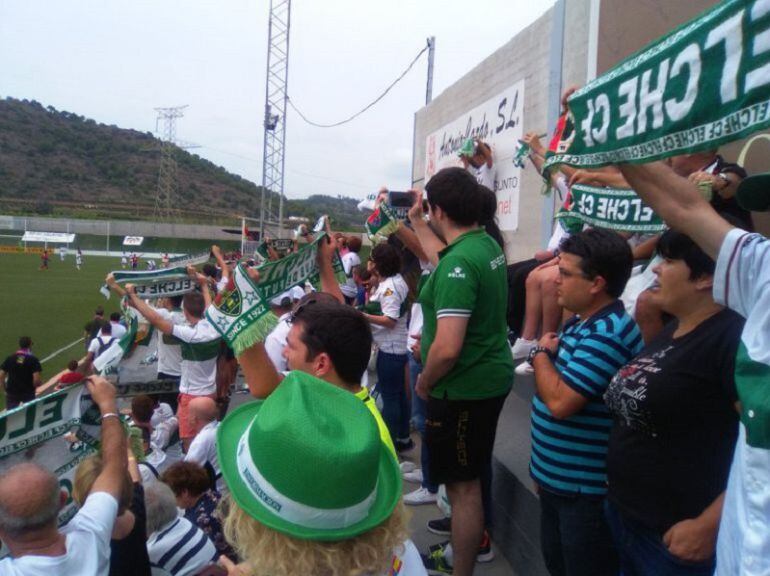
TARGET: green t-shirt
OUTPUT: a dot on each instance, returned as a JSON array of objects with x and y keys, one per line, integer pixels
[{"x": 471, "y": 281}]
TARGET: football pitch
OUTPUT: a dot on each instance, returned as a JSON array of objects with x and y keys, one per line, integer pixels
[{"x": 51, "y": 306}]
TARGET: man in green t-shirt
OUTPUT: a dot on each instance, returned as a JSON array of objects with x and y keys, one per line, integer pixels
[{"x": 468, "y": 369}]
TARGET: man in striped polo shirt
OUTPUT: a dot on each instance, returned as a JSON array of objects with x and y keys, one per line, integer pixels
[
  {"x": 200, "y": 348},
  {"x": 570, "y": 422}
]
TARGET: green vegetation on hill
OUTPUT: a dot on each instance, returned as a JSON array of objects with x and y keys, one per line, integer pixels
[{"x": 59, "y": 163}]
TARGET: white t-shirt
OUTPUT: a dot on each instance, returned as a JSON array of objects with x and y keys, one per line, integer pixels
[
  {"x": 407, "y": 562},
  {"x": 102, "y": 341},
  {"x": 484, "y": 175},
  {"x": 169, "y": 350},
  {"x": 742, "y": 283},
  {"x": 180, "y": 548},
  {"x": 118, "y": 329},
  {"x": 203, "y": 451},
  {"x": 276, "y": 342},
  {"x": 162, "y": 413},
  {"x": 349, "y": 288},
  {"x": 559, "y": 234},
  {"x": 200, "y": 348},
  {"x": 87, "y": 541},
  {"x": 391, "y": 293}
]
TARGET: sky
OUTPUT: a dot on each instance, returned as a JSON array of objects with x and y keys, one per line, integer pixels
[{"x": 117, "y": 60}]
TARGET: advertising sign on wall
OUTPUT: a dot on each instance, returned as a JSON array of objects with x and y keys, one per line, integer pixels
[{"x": 497, "y": 122}]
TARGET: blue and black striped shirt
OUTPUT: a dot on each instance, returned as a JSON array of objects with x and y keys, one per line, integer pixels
[{"x": 569, "y": 455}]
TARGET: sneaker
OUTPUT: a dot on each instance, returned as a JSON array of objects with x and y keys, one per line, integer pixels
[
  {"x": 407, "y": 466},
  {"x": 404, "y": 445},
  {"x": 484, "y": 555},
  {"x": 440, "y": 526},
  {"x": 524, "y": 369},
  {"x": 420, "y": 496},
  {"x": 435, "y": 563},
  {"x": 414, "y": 476},
  {"x": 520, "y": 349}
]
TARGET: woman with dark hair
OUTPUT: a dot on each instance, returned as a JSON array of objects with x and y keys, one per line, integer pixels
[
  {"x": 388, "y": 306},
  {"x": 191, "y": 486},
  {"x": 488, "y": 219},
  {"x": 674, "y": 424}
]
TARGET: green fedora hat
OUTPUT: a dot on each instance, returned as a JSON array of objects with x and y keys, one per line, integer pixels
[
  {"x": 308, "y": 461},
  {"x": 753, "y": 193}
]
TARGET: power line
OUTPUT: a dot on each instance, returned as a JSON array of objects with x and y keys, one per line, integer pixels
[{"x": 357, "y": 114}]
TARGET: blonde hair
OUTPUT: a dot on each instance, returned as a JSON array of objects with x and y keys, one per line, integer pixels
[
  {"x": 85, "y": 476},
  {"x": 268, "y": 552}
]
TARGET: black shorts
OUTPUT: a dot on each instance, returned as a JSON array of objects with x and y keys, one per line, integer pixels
[{"x": 461, "y": 435}]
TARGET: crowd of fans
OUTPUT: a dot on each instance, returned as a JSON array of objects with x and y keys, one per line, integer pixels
[{"x": 636, "y": 419}]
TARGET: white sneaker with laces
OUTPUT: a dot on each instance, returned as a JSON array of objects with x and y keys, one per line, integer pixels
[
  {"x": 413, "y": 476},
  {"x": 407, "y": 466},
  {"x": 520, "y": 349},
  {"x": 420, "y": 496},
  {"x": 524, "y": 369}
]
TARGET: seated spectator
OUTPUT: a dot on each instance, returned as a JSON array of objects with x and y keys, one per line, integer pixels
[
  {"x": 330, "y": 490},
  {"x": 175, "y": 545},
  {"x": 155, "y": 438},
  {"x": 71, "y": 376},
  {"x": 192, "y": 487},
  {"x": 203, "y": 449},
  {"x": 161, "y": 412},
  {"x": 28, "y": 526},
  {"x": 143, "y": 414},
  {"x": 128, "y": 543},
  {"x": 674, "y": 424}
]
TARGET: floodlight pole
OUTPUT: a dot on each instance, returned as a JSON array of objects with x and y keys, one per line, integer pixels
[
  {"x": 276, "y": 98},
  {"x": 431, "y": 52}
]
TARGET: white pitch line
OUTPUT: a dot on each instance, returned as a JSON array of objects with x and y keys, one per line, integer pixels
[{"x": 60, "y": 350}]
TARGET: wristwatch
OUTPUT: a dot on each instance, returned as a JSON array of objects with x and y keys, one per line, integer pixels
[{"x": 537, "y": 350}]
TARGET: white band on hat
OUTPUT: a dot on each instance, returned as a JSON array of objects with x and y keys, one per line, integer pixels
[{"x": 291, "y": 510}]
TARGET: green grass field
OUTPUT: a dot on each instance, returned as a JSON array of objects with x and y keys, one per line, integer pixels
[
  {"x": 51, "y": 306},
  {"x": 150, "y": 244}
]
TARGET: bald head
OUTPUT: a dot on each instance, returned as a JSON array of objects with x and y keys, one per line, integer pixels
[
  {"x": 203, "y": 410},
  {"x": 39, "y": 505}
]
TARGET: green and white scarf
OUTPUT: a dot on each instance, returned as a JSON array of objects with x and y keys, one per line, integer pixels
[
  {"x": 156, "y": 283},
  {"x": 702, "y": 85},
  {"x": 241, "y": 313},
  {"x": 381, "y": 223},
  {"x": 610, "y": 208}
]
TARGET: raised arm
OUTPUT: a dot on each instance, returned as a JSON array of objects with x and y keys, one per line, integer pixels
[
  {"x": 325, "y": 257},
  {"x": 165, "y": 326},
  {"x": 679, "y": 203},
  {"x": 431, "y": 244},
  {"x": 258, "y": 371},
  {"x": 113, "y": 438},
  {"x": 217, "y": 252},
  {"x": 411, "y": 241},
  {"x": 114, "y": 286}
]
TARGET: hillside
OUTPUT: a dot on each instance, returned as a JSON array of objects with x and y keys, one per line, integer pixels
[{"x": 59, "y": 163}]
